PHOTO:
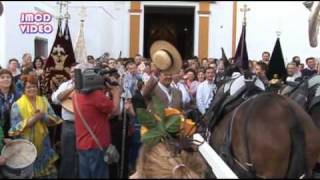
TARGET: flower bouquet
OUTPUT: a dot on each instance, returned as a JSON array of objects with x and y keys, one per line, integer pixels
[{"x": 163, "y": 123}]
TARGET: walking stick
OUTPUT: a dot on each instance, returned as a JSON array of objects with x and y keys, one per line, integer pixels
[{"x": 123, "y": 141}]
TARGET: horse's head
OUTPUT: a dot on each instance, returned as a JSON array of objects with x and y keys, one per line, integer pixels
[
  {"x": 232, "y": 92},
  {"x": 298, "y": 92},
  {"x": 313, "y": 107},
  {"x": 229, "y": 70},
  {"x": 226, "y": 76},
  {"x": 306, "y": 94}
]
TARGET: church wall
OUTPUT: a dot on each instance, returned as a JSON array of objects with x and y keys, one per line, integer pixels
[
  {"x": 101, "y": 23},
  {"x": 121, "y": 28},
  {"x": 107, "y": 28},
  {"x": 13, "y": 42},
  {"x": 97, "y": 26},
  {"x": 220, "y": 29},
  {"x": 2, "y": 39},
  {"x": 265, "y": 18}
]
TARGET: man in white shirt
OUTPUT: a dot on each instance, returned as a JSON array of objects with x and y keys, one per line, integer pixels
[
  {"x": 176, "y": 83},
  {"x": 69, "y": 160},
  {"x": 147, "y": 73},
  {"x": 140, "y": 64},
  {"x": 206, "y": 91},
  {"x": 293, "y": 72}
]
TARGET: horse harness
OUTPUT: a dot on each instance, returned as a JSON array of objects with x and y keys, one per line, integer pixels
[
  {"x": 236, "y": 101},
  {"x": 229, "y": 101},
  {"x": 246, "y": 170}
]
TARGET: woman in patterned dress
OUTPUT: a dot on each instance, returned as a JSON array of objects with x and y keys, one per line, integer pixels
[
  {"x": 8, "y": 96},
  {"x": 30, "y": 117}
]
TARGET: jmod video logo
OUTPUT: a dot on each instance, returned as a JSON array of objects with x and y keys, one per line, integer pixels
[{"x": 33, "y": 23}]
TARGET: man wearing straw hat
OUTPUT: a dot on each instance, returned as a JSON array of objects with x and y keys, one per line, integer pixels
[
  {"x": 167, "y": 60},
  {"x": 157, "y": 160}
]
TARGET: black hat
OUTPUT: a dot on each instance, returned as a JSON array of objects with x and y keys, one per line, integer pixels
[{"x": 276, "y": 65}]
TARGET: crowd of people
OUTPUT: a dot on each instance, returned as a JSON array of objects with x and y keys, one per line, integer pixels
[{"x": 26, "y": 113}]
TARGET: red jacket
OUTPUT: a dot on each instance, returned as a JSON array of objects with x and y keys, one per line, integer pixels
[{"x": 95, "y": 108}]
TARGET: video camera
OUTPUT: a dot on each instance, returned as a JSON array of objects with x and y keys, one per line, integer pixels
[{"x": 94, "y": 78}]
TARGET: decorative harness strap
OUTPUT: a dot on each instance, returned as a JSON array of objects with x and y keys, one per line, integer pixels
[{"x": 227, "y": 148}]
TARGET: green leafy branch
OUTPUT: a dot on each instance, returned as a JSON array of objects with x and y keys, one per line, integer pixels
[{"x": 159, "y": 126}]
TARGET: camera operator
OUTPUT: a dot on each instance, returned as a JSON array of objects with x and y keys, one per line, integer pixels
[{"x": 96, "y": 109}]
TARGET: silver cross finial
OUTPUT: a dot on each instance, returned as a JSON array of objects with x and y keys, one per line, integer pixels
[
  {"x": 245, "y": 9},
  {"x": 82, "y": 13},
  {"x": 278, "y": 33},
  {"x": 60, "y": 4},
  {"x": 67, "y": 15}
]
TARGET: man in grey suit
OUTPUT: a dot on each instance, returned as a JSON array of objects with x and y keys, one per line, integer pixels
[
  {"x": 167, "y": 60},
  {"x": 168, "y": 95}
]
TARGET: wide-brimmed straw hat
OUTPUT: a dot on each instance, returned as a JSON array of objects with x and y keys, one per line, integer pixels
[
  {"x": 165, "y": 57},
  {"x": 67, "y": 103}
]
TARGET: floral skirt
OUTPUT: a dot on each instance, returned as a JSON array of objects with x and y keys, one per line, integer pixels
[{"x": 44, "y": 165}]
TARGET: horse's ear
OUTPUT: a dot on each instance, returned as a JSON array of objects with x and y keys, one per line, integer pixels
[{"x": 224, "y": 58}]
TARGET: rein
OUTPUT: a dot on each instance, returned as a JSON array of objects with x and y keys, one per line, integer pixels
[
  {"x": 248, "y": 165},
  {"x": 295, "y": 88}
]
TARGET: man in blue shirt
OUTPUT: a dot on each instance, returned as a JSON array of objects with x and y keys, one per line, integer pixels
[{"x": 131, "y": 77}]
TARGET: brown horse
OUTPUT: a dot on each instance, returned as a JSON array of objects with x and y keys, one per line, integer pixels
[{"x": 268, "y": 136}]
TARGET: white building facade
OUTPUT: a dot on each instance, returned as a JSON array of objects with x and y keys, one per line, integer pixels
[{"x": 119, "y": 26}]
